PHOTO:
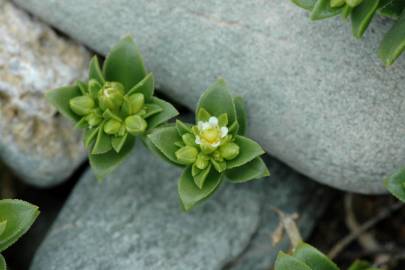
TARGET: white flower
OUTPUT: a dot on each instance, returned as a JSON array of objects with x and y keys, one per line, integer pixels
[{"x": 210, "y": 133}]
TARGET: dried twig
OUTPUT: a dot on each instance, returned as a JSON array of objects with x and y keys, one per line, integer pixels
[
  {"x": 364, "y": 227},
  {"x": 287, "y": 222}
]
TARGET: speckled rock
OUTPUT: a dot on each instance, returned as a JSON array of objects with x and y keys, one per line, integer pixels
[
  {"x": 133, "y": 220},
  {"x": 319, "y": 99},
  {"x": 37, "y": 144}
]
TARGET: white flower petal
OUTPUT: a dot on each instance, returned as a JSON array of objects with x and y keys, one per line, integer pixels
[
  {"x": 205, "y": 126},
  {"x": 200, "y": 125},
  {"x": 213, "y": 121},
  {"x": 216, "y": 144},
  {"x": 224, "y": 131},
  {"x": 197, "y": 139}
]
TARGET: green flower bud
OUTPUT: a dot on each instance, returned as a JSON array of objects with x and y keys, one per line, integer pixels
[
  {"x": 135, "y": 124},
  {"x": 229, "y": 151},
  {"x": 187, "y": 154},
  {"x": 82, "y": 105},
  {"x": 94, "y": 118},
  {"x": 134, "y": 103},
  {"x": 202, "y": 161},
  {"x": 337, "y": 3},
  {"x": 112, "y": 126},
  {"x": 188, "y": 139},
  {"x": 111, "y": 96}
]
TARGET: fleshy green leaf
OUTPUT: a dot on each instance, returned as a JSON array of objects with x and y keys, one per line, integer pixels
[
  {"x": 219, "y": 166},
  {"x": 203, "y": 115},
  {"x": 3, "y": 224},
  {"x": 82, "y": 123},
  {"x": 217, "y": 100},
  {"x": 396, "y": 184},
  {"x": 252, "y": 170},
  {"x": 60, "y": 99},
  {"x": 306, "y": 4},
  {"x": 286, "y": 262},
  {"x": 347, "y": 10},
  {"x": 164, "y": 140},
  {"x": 145, "y": 87},
  {"x": 103, "y": 164},
  {"x": 362, "y": 15},
  {"x": 95, "y": 70},
  {"x": 103, "y": 143},
  {"x": 199, "y": 179},
  {"x": 3, "y": 265},
  {"x": 393, "y": 42},
  {"x": 182, "y": 127},
  {"x": 313, "y": 258},
  {"x": 190, "y": 194},
  {"x": 20, "y": 216},
  {"x": 89, "y": 136},
  {"x": 152, "y": 109},
  {"x": 391, "y": 8},
  {"x": 118, "y": 142},
  {"x": 241, "y": 115},
  {"x": 249, "y": 150},
  {"x": 124, "y": 64},
  {"x": 322, "y": 10},
  {"x": 361, "y": 265},
  {"x": 168, "y": 112},
  {"x": 82, "y": 87}
]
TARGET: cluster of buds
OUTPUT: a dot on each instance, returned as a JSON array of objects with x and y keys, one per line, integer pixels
[
  {"x": 209, "y": 143},
  {"x": 109, "y": 107}
]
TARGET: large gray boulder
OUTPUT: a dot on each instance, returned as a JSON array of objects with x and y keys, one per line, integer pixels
[
  {"x": 133, "y": 220},
  {"x": 319, "y": 100},
  {"x": 43, "y": 149}
]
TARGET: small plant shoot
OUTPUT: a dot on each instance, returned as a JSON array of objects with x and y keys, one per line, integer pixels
[
  {"x": 361, "y": 13},
  {"x": 306, "y": 257},
  {"x": 16, "y": 217},
  {"x": 116, "y": 105},
  {"x": 211, "y": 149}
]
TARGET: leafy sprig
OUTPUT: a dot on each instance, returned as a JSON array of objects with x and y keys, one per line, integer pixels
[
  {"x": 361, "y": 13},
  {"x": 16, "y": 217},
  {"x": 213, "y": 148},
  {"x": 116, "y": 105},
  {"x": 306, "y": 257}
]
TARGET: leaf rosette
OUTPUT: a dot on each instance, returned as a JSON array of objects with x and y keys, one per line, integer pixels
[
  {"x": 116, "y": 105},
  {"x": 213, "y": 148}
]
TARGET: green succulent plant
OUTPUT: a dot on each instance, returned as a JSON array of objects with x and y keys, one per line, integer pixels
[
  {"x": 212, "y": 148},
  {"x": 306, "y": 257},
  {"x": 361, "y": 13},
  {"x": 16, "y": 217},
  {"x": 116, "y": 105}
]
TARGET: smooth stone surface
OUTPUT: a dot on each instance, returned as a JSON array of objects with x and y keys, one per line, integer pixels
[
  {"x": 133, "y": 220},
  {"x": 39, "y": 146},
  {"x": 319, "y": 99}
]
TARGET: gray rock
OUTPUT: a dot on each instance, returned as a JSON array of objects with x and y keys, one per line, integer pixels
[
  {"x": 319, "y": 99},
  {"x": 40, "y": 147},
  {"x": 133, "y": 220}
]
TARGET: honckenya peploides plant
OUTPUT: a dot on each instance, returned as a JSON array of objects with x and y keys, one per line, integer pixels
[
  {"x": 211, "y": 149},
  {"x": 114, "y": 106},
  {"x": 16, "y": 217}
]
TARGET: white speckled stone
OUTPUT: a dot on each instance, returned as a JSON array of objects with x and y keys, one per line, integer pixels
[{"x": 40, "y": 147}]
